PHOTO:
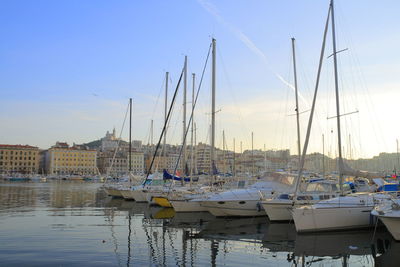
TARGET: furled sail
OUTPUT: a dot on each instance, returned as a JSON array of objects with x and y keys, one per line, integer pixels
[{"x": 345, "y": 169}]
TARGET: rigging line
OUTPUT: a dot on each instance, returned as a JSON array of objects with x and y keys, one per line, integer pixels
[
  {"x": 211, "y": 9},
  {"x": 165, "y": 125},
  {"x": 158, "y": 98},
  {"x": 242, "y": 121},
  {"x": 119, "y": 140},
  {"x": 191, "y": 115}
]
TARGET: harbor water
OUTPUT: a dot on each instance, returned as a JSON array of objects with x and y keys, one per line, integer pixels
[{"x": 74, "y": 223}]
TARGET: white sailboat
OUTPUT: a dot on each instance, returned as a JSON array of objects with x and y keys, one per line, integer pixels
[{"x": 346, "y": 211}]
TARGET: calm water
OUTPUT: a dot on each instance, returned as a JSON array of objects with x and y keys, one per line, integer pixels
[{"x": 76, "y": 224}]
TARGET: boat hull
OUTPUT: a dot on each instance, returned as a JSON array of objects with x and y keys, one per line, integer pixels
[
  {"x": 187, "y": 206},
  {"x": 126, "y": 194},
  {"x": 308, "y": 219},
  {"x": 162, "y": 201},
  {"x": 393, "y": 226},
  {"x": 113, "y": 192},
  {"x": 278, "y": 211},
  {"x": 236, "y": 208}
]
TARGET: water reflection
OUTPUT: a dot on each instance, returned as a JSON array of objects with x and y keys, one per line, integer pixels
[{"x": 75, "y": 223}]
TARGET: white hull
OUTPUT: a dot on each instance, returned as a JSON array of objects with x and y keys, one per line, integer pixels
[
  {"x": 281, "y": 211},
  {"x": 137, "y": 195},
  {"x": 234, "y": 208},
  {"x": 326, "y": 219},
  {"x": 393, "y": 226},
  {"x": 126, "y": 194},
  {"x": 114, "y": 192},
  {"x": 339, "y": 213},
  {"x": 187, "y": 205}
]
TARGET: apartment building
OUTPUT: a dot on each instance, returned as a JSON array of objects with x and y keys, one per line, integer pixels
[{"x": 19, "y": 159}]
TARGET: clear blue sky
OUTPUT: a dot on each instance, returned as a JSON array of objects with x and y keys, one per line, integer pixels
[{"x": 67, "y": 69}]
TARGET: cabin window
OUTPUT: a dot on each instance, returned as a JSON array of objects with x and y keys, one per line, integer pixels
[{"x": 221, "y": 202}]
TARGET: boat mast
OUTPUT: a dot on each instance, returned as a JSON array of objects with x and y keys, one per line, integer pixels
[
  {"x": 234, "y": 158},
  {"x": 192, "y": 132},
  {"x": 212, "y": 152},
  {"x": 184, "y": 119},
  {"x": 165, "y": 113},
  {"x": 340, "y": 162},
  {"x": 307, "y": 138},
  {"x": 130, "y": 135},
  {"x": 223, "y": 150},
  {"x": 151, "y": 132},
  {"x": 252, "y": 154},
  {"x": 265, "y": 159},
  {"x": 397, "y": 154},
  {"x": 297, "y": 99},
  {"x": 195, "y": 149},
  {"x": 323, "y": 156}
]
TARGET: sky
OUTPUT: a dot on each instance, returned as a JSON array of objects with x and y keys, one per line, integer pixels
[{"x": 68, "y": 68}]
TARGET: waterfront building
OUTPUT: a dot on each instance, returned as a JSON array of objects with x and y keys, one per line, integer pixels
[
  {"x": 203, "y": 157},
  {"x": 19, "y": 159},
  {"x": 137, "y": 163},
  {"x": 65, "y": 160},
  {"x": 110, "y": 164},
  {"x": 163, "y": 162},
  {"x": 118, "y": 165}
]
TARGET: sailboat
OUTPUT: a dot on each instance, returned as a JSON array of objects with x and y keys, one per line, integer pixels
[
  {"x": 345, "y": 211},
  {"x": 279, "y": 207},
  {"x": 389, "y": 213}
]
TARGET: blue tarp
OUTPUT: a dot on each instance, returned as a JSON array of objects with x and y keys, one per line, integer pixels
[{"x": 167, "y": 176}]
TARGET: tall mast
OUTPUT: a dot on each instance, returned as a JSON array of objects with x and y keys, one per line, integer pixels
[
  {"x": 165, "y": 113},
  {"x": 252, "y": 154},
  {"x": 397, "y": 153},
  {"x": 212, "y": 156},
  {"x": 192, "y": 132},
  {"x": 184, "y": 117},
  {"x": 265, "y": 159},
  {"x": 297, "y": 99},
  {"x": 151, "y": 132},
  {"x": 340, "y": 162},
  {"x": 195, "y": 150},
  {"x": 323, "y": 156},
  {"x": 130, "y": 135},
  {"x": 234, "y": 158},
  {"x": 223, "y": 150}
]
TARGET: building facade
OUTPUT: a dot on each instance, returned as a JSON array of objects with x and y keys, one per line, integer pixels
[
  {"x": 118, "y": 165},
  {"x": 19, "y": 159},
  {"x": 64, "y": 160}
]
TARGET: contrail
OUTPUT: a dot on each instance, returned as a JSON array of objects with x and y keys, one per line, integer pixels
[{"x": 210, "y": 8}]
